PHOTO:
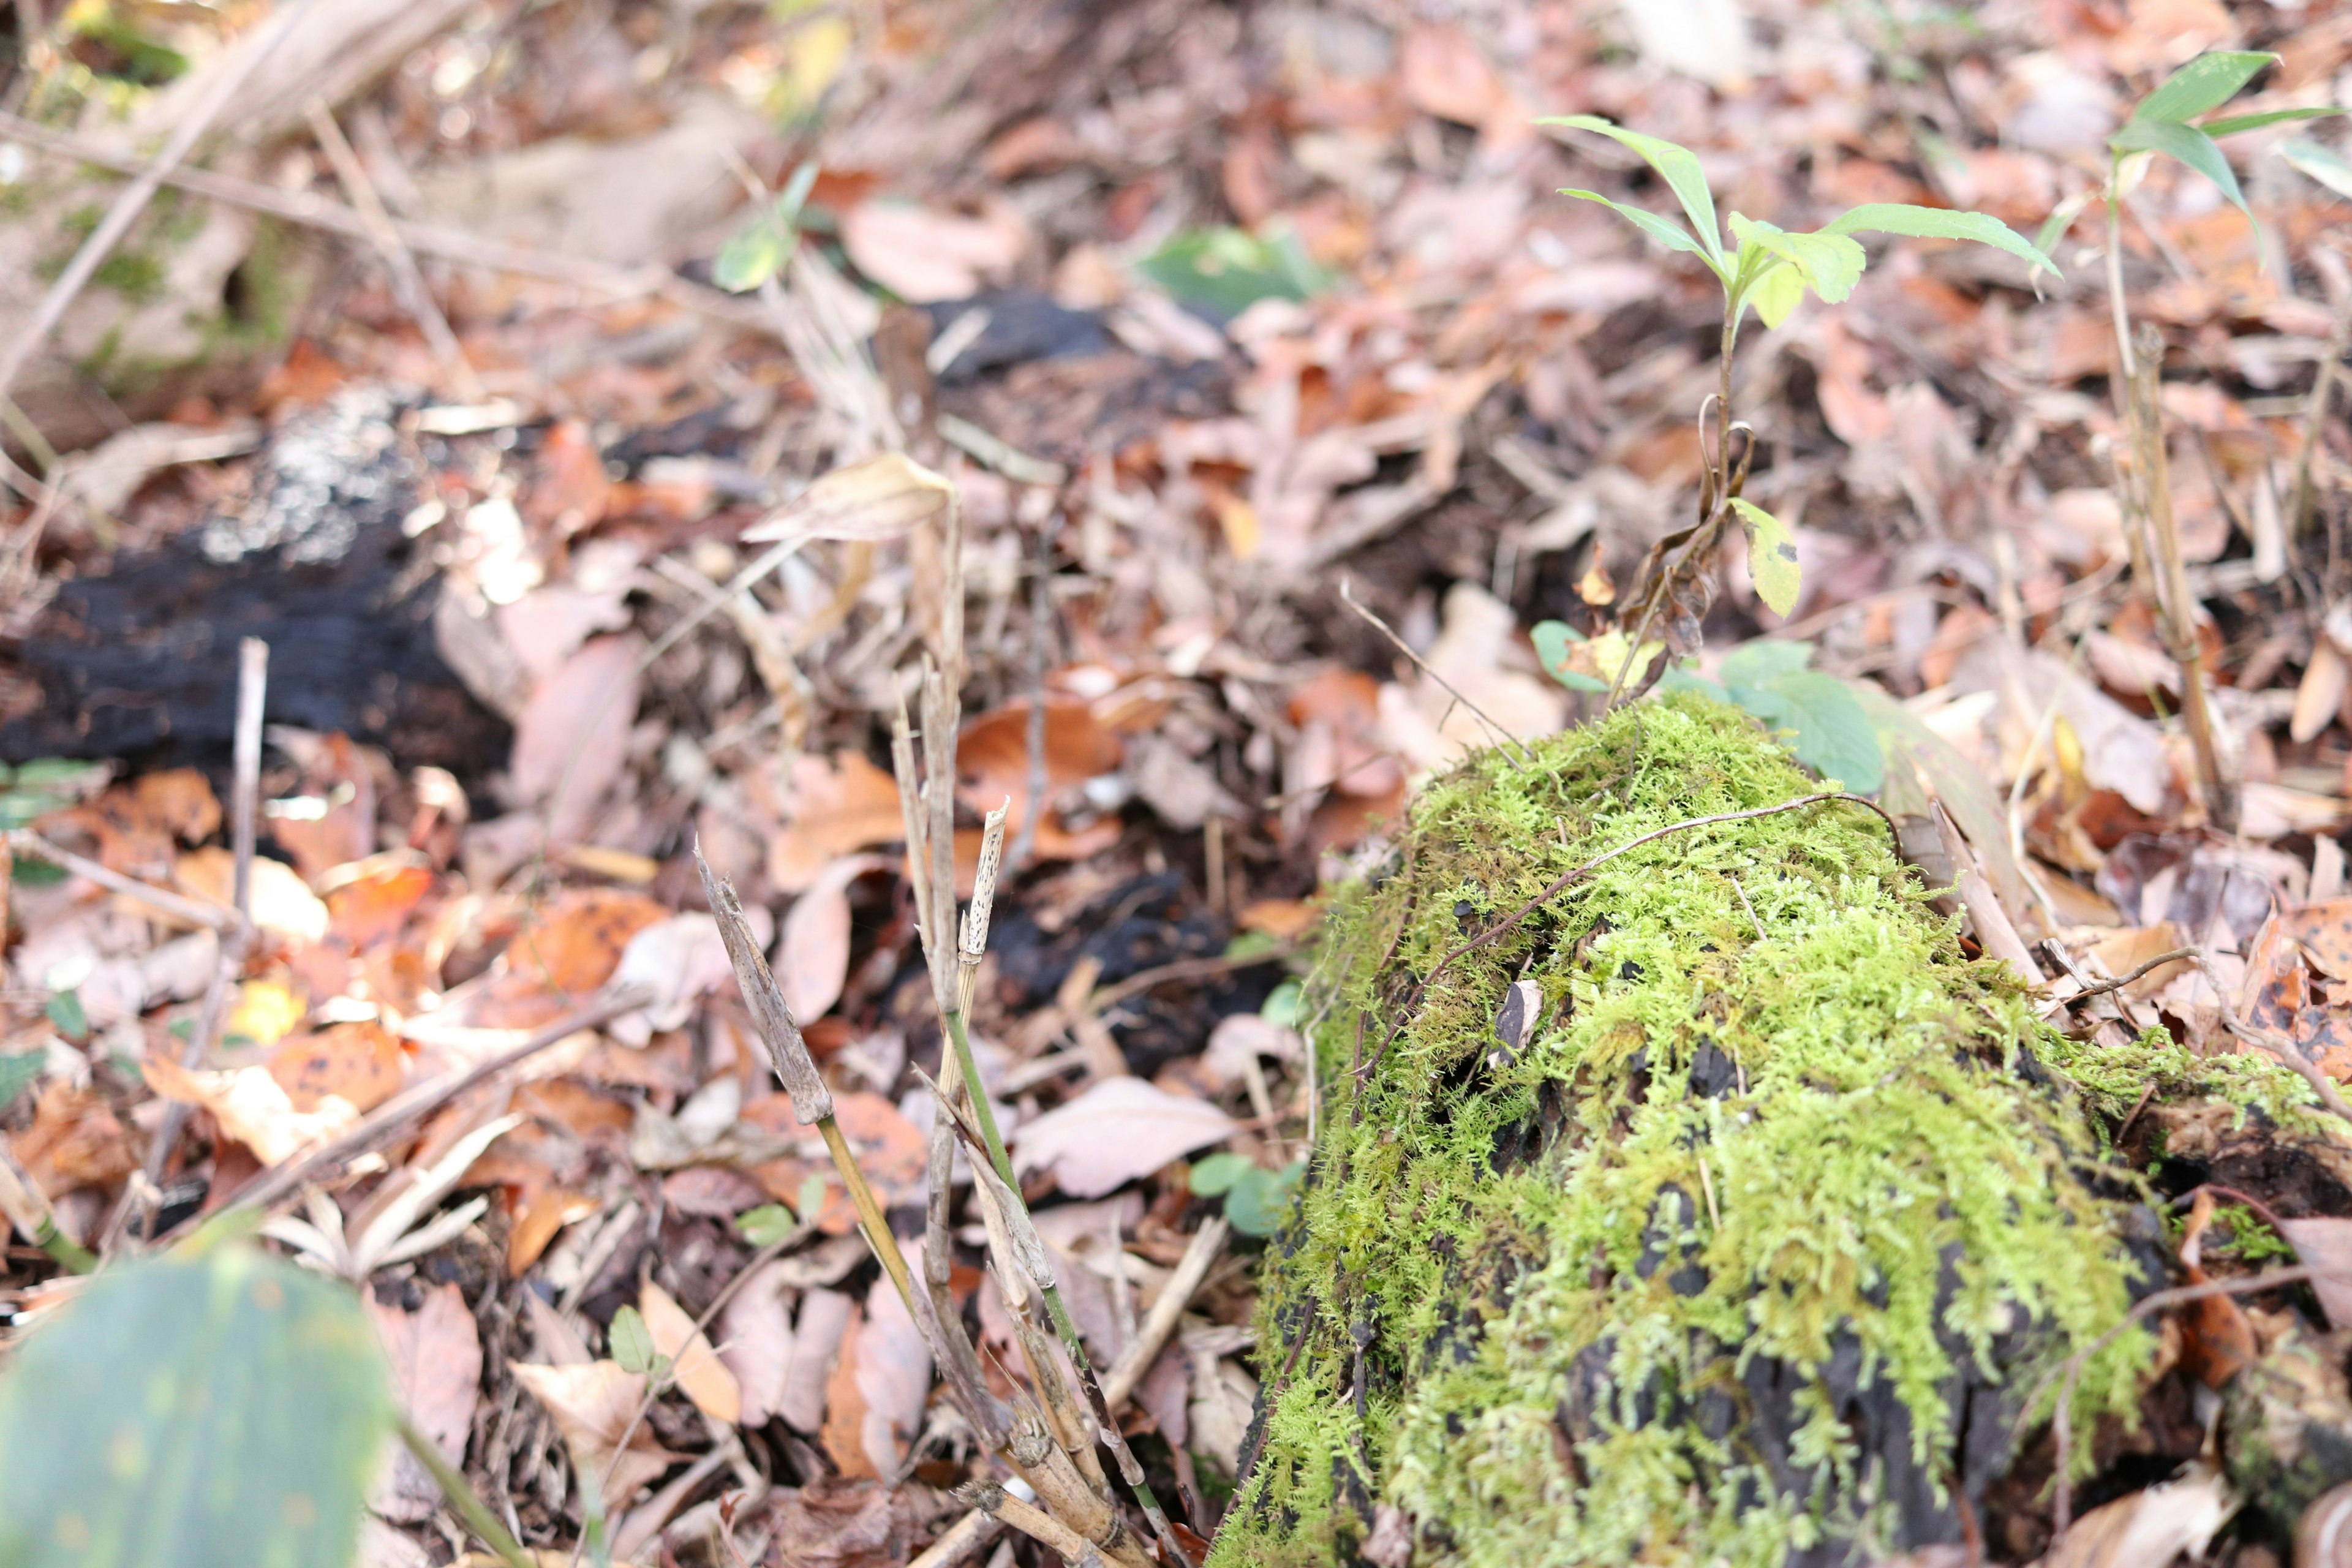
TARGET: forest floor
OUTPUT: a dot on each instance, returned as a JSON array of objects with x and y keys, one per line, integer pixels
[{"x": 1216, "y": 317}]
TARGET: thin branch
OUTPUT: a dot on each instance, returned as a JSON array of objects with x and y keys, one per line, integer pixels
[
  {"x": 2290, "y": 1053},
  {"x": 189, "y": 912},
  {"x": 1507, "y": 738},
  {"x": 2104, "y": 986}
]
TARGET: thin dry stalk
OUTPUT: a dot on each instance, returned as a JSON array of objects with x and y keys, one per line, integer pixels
[
  {"x": 186, "y": 910},
  {"x": 2323, "y": 389},
  {"x": 2153, "y": 483},
  {"x": 788, "y": 1054},
  {"x": 1404, "y": 647},
  {"x": 1033, "y": 1523},
  {"x": 1135, "y": 1361}
]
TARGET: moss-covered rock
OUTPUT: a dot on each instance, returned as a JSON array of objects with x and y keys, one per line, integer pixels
[{"x": 1756, "y": 1251}]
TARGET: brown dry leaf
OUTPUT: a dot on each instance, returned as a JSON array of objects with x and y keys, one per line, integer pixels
[
  {"x": 755, "y": 1341},
  {"x": 180, "y": 802},
  {"x": 2216, "y": 1342},
  {"x": 700, "y": 1372},
  {"x": 359, "y": 1062},
  {"x": 572, "y": 490},
  {"x": 1337, "y": 712},
  {"x": 571, "y": 741},
  {"x": 252, "y": 1106},
  {"x": 890, "y": 1150},
  {"x": 75, "y": 1140},
  {"x": 818, "y": 1330},
  {"x": 1281, "y": 919},
  {"x": 338, "y": 782},
  {"x": 832, "y": 809},
  {"x": 993, "y": 767},
  {"x": 575, "y": 943},
  {"x": 2320, "y": 694},
  {"x": 921, "y": 254},
  {"x": 593, "y": 1405},
  {"x": 813, "y": 955},
  {"x": 875, "y": 1399},
  {"x": 282, "y": 901},
  {"x": 1118, "y": 1131},
  {"x": 2152, "y": 1527},
  {"x": 2123, "y": 954},
  {"x": 2325, "y": 1245},
  {"x": 2326, "y": 932},
  {"x": 435, "y": 1354},
  {"x": 877, "y": 500},
  {"x": 1443, "y": 74},
  {"x": 375, "y": 905},
  {"x": 837, "y": 1522}
]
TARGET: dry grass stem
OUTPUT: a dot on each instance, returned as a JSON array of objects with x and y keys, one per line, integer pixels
[{"x": 1160, "y": 1323}]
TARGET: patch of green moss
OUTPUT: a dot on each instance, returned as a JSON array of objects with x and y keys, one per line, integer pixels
[{"x": 1701, "y": 1274}]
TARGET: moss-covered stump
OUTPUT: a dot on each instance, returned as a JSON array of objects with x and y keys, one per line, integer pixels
[{"x": 1755, "y": 1251}]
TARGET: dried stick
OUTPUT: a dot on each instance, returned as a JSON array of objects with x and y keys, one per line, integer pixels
[
  {"x": 2061, "y": 1428},
  {"x": 1135, "y": 1361},
  {"x": 1405, "y": 648},
  {"x": 399, "y": 262},
  {"x": 189, "y": 911},
  {"x": 134, "y": 197},
  {"x": 796, "y": 1070},
  {"x": 1033, "y": 1523},
  {"x": 2179, "y": 618},
  {"x": 2104, "y": 986},
  {"x": 964, "y": 1537},
  {"x": 424, "y": 1099}
]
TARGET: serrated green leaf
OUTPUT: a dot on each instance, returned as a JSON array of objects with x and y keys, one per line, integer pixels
[
  {"x": 767, "y": 1224},
  {"x": 2191, "y": 146},
  {"x": 1771, "y": 557},
  {"x": 1939, "y": 223},
  {"x": 1220, "y": 1173},
  {"x": 1677, "y": 165},
  {"x": 2237, "y": 122},
  {"x": 756, "y": 253},
  {"x": 1831, "y": 263},
  {"x": 1665, "y": 230},
  {"x": 192, "y": 1411},
  {"x": 1776, "y": 293},
  {"x": 18, "y": 1073},
  {"x": 1827, "y": 730},
  {"x": 2202, "y": 86},
  {"x": 2320, "y": 162},
  {"x": 1261, "y": 1200},
  {"x": 1556, "y": 642},
  {"x": 631, "y": 1342},
  {"x": 1763, "y": 659}
]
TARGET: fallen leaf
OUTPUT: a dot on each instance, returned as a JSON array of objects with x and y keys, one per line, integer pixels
[
  {"x": 1443, "y": 74},
  {"x": 818, "y": 1330},
  {"x": 700, "y": 1372},
  {"x": 755, "y": 1341},
  {"x": 575, "y": 943},
  {"x": 593, "y": 1405},
  {"x": 993, "y": 768},
  {"x": 870, "y": 501},
  {"x": 832, "y": 809},
  {"x": 921, "y": 254},
  {"x": 2152, "y": 1527},
  {"x": 282, "y": 901},
  {"x": 2324, "y": 930},
  {"x": 2217, "y": 1339},
  {"x": 359, "y": 1062},
  {"x": 180, "y": 802},
  {"x": 75, "y": 1140},
  {"x": 375, "y": 905},
  {"x": 571, "y": 741},
  {"x": 678, "y": 961},
  {"x": 337, "y": 793},
  {"x": 435, "y": 1355},
  {"x": 252, "y": 1106},
  {"x": 1337, "y": 712},
  {"x": 837, "y": 1522},
  {"x": 264, "y": 1011},
  {"x": 571, "y": 489},
  {"x": 1281, "y": 919},
  {"x": 1118, "y": 1131},
  {"x": 813, "y": 955},
  {"x": 874, "y": 1402}
]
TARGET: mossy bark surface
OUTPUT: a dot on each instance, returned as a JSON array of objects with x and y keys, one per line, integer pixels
[{"x": 1755, "y": 1255}]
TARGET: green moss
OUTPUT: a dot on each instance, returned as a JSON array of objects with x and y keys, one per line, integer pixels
[{"x": 1777, "y": 1202}]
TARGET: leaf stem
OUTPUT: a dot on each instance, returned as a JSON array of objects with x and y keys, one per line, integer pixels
[
  {"x": 975, "y": 1091},
  {"x": 461, "y": 1494},
  {"x": 869, "y": 1212}
]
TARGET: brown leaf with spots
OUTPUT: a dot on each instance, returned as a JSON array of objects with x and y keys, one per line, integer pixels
[{"x": 361, "y": 1062}]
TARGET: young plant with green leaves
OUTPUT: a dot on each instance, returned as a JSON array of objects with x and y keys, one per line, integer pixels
[{"x": 1768, "y": 268}]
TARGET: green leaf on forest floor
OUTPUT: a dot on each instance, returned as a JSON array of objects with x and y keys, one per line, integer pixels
[
  {"x": 767, "y": 1224},
  {"x": 1818, "y": 716},
  {"x": 1224, "y": 271},
  {"x": 1258, "y": 1199},
  {"x": 214, "y": 1407},
  {"x": 18, "y": 1073},
  {"x": 632, "y": 1342},
  {"x": 1771, "y": 557}
]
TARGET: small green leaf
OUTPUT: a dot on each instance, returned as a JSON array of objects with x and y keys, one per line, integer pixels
[
  {"x": 1224, "y": 271},
  {"x": 1555, "y": 644},
  {"x": 1771, "y": 557},
  {"x": 1282, "y": 1005},
  {"x": 1831, "y": 263},
  {"x": 631, "y": 1343},
  {"x": 2237, "y": 122},
  {"x": 2202, "y": 86},
  {"x": 1776, "y": 294},
  {"x": 1939, "y": 223},
  {"x": 1680, "y": 169},
  {"x": 812, "y": 1196},
  {"x": 1665, "y": 230},
  {"x": 1261, "y": 1199},
  {"x": 64, "y": 1010},
  {"x": 1682, "y": 677},
  {"x": 1763, "y": 660},
  {"x": 2187, "y": 143},
  {"x": 2320, "y": 162},
  {"x": 756, "y": 254},
  {"x": 18, "y": 1073},
  {"x": 212, "y": 1407},
  {"x": 766, "y": 1225},
  {"x": 1828, "y": 731},
  {"x": 1219, "y": 1173}
]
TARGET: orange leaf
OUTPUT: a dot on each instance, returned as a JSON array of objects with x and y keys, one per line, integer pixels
[
  {"x": 359, "y": 1062},
  {"x": 832, "y": 809},
  {"x": 698, "y": 1368},
  {"x": 572, "y": 490}
]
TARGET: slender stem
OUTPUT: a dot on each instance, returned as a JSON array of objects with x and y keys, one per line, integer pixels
[
  {"x": 69, "y": 1253},
  {"x": 869, "y": 1212},
  {"x": 461, "y": 1495},
  {"x": 2115, "y": 259},
  {"x": 1130, "y": 1470},
  {"x": 977, "y": 1092}
]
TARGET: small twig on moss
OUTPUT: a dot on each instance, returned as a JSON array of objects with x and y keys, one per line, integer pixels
[
  {"x": 1507, "y": 738},
  {"x": 461, "y": 1495},
  {"x": 2104, "y": 986},
  {"x": 2062, "y": 1430}
]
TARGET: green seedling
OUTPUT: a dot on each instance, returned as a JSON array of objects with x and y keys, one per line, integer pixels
[
  {"x": 632, "y": 1344},
  {"x": 1258, "y": 1201},
  {"x": 760, "y": 247},
  {"x": 1769, "y": 270}
]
